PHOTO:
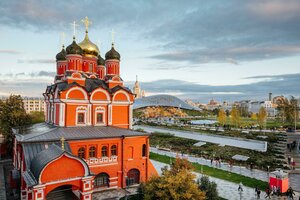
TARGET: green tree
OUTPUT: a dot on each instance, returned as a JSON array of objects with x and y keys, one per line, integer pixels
[
  {"x": 261, "y": 117},
  {"x": 177, "y": 183},
  {"x": 222, "y": 117},
  {"x": 12, "y": 114},
  {"x": 235, "y": 117},
  {"x": 209, "y": 187},
  {"x": 37, "y": 117}
]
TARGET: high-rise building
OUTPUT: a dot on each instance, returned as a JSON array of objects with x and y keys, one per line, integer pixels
[
  {"x": 139, "y": 93},
  {"x": 32, "y": 104},
  {"x": 86, "y": 144}
]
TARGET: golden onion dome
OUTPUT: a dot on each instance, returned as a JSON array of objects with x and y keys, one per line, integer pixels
[{"x": 89, "y": 48}]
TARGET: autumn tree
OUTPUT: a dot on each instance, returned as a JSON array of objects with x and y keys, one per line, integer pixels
[
  {"x": 235, "y": 117},
  {"x": 261, "y": 117},
  {"x": 254, "y": 116},
  {"x": 176, "y": 183},
  {"x": 288, "y": 110},
  {"x": 222, "y": 117},
  {"x": 12, "y": 114}
]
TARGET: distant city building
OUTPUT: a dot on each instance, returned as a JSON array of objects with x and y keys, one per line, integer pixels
[
  {"x": 32, "y": 104},
  {"x": 213, "y": 105},
  {"x": 139, "y": 93},
  {"x": 254, "y": 106}
]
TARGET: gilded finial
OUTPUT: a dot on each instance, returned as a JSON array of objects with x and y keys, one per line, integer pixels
[
  {"x": 62, "y": 140},
  {"x": 86, "y": 23},
  {"x": 74, "y": 29}
]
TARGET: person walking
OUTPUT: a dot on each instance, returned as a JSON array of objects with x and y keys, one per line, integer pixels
[
  {"x": 258, "y": 193},
  {"x": 268, "y": 192},
  {"x": 240, "y": 189},
  {"x": 290, "y": 193}
]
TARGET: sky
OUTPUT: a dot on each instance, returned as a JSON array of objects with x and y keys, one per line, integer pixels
[{"x": 221, "y": 49}]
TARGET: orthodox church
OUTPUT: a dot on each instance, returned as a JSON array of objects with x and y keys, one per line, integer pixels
[{"x": 86, "y": 144}]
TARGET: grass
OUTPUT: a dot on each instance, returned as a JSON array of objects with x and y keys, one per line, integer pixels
[{"x": 217, "y": 173}]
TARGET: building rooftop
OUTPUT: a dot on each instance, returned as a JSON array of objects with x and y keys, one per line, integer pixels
[
  {"x": 162, "y": 100},
  {"x": 44, "y": 132}
]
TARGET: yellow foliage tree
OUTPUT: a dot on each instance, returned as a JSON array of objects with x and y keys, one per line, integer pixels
[
  {"x": 261, "y": 117},
  {"x": 174, "y": 184},
  {"x": 235, "y": 117},
  {"x": 222, "y": 117}
]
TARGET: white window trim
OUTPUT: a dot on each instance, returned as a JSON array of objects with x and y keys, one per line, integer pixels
[
  {"x": 81, "y": 109},
  {"x": 100, "y": 109}
]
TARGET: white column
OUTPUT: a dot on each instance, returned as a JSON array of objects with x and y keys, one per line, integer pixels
[
  {"x": 130, "y": 116},
  {"x": 109, "y": 114},
  {"x": 89, "y": 114}
]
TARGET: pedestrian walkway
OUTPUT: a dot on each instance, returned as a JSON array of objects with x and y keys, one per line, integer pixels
[
  {"x": 255, "y": 145},
  {"x": 229, "y": 190},
  {"x": 255, "y": 173}
]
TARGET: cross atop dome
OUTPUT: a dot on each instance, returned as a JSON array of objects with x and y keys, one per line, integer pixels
[{"x": 86, "y": 23}]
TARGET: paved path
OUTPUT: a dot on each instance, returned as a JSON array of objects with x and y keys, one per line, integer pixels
[
  {"x": 294, "y": 179},
  {"x": 216, "y": 139},
  {"x": 255, "y": 173},
  {"x": 226, "y": 189}
]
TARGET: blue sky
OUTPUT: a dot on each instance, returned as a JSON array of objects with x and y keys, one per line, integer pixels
[{"x": 193, "y": 49}]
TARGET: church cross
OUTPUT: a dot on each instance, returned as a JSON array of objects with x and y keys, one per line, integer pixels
[
  {"x": 74, "y": 29},
  {"x": 86, "y": 23},
  {"x": 62, "y": 140}
]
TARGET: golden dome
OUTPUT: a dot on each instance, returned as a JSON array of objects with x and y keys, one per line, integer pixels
[{"x": 89, "y": 48}]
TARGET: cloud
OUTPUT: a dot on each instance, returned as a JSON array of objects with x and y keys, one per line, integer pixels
[
  {"x": 9, "y": 51},
  {"x": 196, "y": 32},
  {"x": 36, "y": 61},
  {"x": 286, "y": 84}
]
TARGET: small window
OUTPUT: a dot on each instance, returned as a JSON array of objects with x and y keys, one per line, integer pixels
[
  {"x": 104, "y": 151},
  {"x": 81, "y": 152},
  {"x": 80, "y": 118},
  {"x": 99, "y": 118},
  {"x": 101, "y": 180},
  {"x": 113, "y": 150},
  {"x": 144, "y": 150},
  {"x": 91, "y": 67},
  {"x": 92, "y": 152}
]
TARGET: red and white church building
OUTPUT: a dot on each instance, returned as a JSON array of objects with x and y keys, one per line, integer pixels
[{"x": 86, "y": 144}]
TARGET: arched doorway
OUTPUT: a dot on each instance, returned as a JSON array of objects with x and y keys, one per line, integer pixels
[
  {"x": 101, "y": 180},
  {"x": 133, "y": 177},
  {"x": 63, "y": 192}
]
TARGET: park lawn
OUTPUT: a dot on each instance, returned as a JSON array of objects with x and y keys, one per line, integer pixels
[{"x": 217, "y": 173}]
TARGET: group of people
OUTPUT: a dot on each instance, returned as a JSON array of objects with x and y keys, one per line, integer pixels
[{"x": 217, "y": 162}]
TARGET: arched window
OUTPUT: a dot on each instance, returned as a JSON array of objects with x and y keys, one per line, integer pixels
[
  {"x": 81, "y": 152},
  {"x": 101, "y": 180},
  {"x": 92, "y": 152},
  {"x": 104, "y": 151},
  {"x": 113, "y": 150},
  {"x": 130, "y": 152},
  {"x": 144, "y": 150},
  {"x": 133, "y": 177}
]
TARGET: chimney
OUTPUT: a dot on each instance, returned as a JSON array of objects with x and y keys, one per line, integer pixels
[{"x": 270, "y": 96}]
